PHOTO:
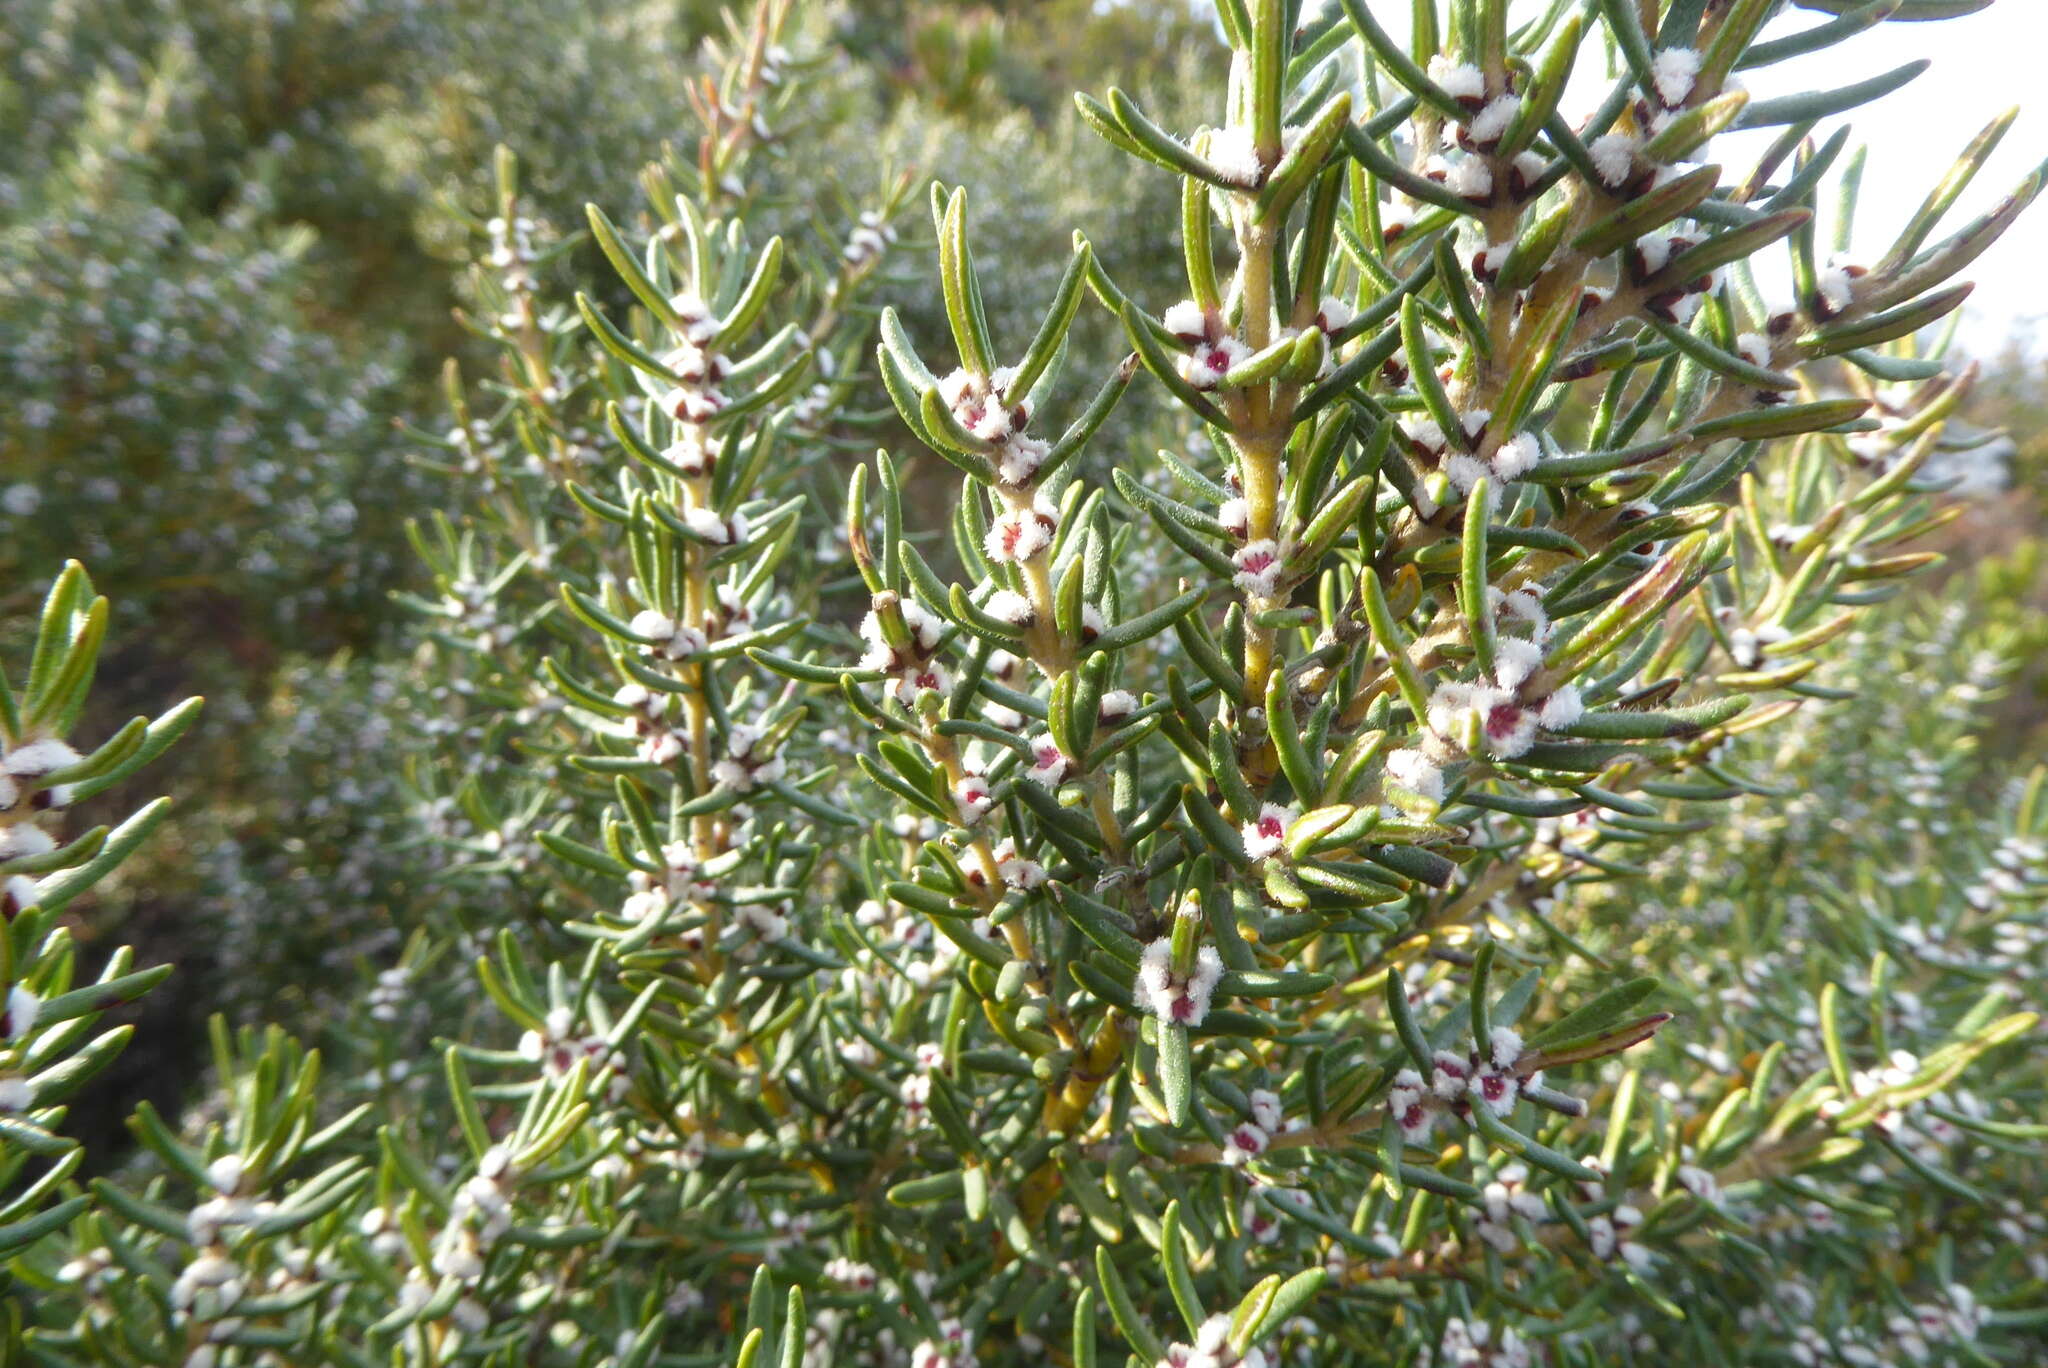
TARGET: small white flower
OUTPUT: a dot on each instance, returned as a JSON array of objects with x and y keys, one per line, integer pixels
[
  {"x": 1515, "y": 659},
  {"x": 1417, "y": 773},
  {"x": 459, "y": 1259},
  {"x": 1016, "y": 871},
  {"x": 1021, "y": 533},
  {"x": 1206, "y": 365},
  {"x": 1048, "y": 764},
  {"x": 923, "y": 625},
  {"x": 1424, "y": 433},
  {"x": 1614, "y": 157},
  {"x": 1517, "y": 456},
  {"x": 414, "y": 1293},
  {"x": 1653, "y": 253},
  {"x": 1232, "y": 152},
  {"x": 1506, "y": 728},
  {"x": 647, "y": 903},
  {"x": 226, "y": 1173},
  {"x": 1236, "y": 517},
  {"x": 1487, "y": 261},
  {"x": 1115, "y": 706},
  {"x": 1258, "y": 567},
  {"x": 692, "y": 404},
  {"x": 1020, "y": 459},
  {"x": 1836, "y": 285},
  {"x": 692, "y": 452},
  {"x": 765, "y": 922},
  {"x": 1490, "y": 124},
  {"x": 38, "y": 758},
  {"x": 1169, "y": 997},
  {"x": 1266, "y": 1110},
  {"x": 706, "y": 523},
  {"x": 1469, "y": 177},
  {"x": 1524, "y": 605},
  {"x": 1412, "y": 1105},
  {"x": 674, "y": 641},
  {"x": 1562, "y": 708},
  {"x": 1465, "y": 472},
  {"x": 1265, "y": 833},
  {"x": 1504, "y": 1047},
  {"x": 18, "y": 894},
  {"x": 662, "y": 748},
  {"x": 1508, "y": 1195},
  {"x": 1246, "y": 1142},
  {"x": 1460, "y": 80},
  {"x": 974, "y": 798},
  {"x": 1674, "y": 72},
  {"x": 23, "y": 1007},
  {"x": 1187, "y": 320},
  {"x": 859, "y": 1277},
  {"x": 1449, "y": 1074}
]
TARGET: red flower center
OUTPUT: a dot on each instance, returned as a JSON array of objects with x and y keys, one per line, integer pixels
[{"x": 1502, "y": 719}]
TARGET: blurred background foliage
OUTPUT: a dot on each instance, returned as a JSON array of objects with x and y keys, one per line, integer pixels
[{"x": 233, "y": 247}]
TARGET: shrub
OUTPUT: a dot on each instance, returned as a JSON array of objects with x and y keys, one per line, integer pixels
[{"x": 1195, "y": 916}]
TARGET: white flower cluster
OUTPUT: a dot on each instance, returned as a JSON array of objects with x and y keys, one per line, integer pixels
[
  {"x": 557, "y": 1046},
  {"x": 1503, "y": 712},
  {"x": 912, "y": 667},
  {"x": 1455, "y": 1083},
  {"x": 1475, "y": 1344},
  {"x": 1932, "y": 1331},
  {"x": 1253, "y": 1136},
  {"x": 698, "y": 367},
  {"x": 1463, "y": 466},
  {"x": 665, "y": 638},
  {"x": 865, "y": 246},
  {"x": 952, "y": 1348},
  {"x": 1212, "y": 1349},
  {"x": 986, "y": 408},
  {"x": 1608, "y": 1237},
  {"x": 1024, "y": 531},
  {"x": 1503, "y": 1199},
  {"x": 1675, "y": 301},
  {"x": 744, "y": 766},
  {"x": 1177, "y": 997},
  {"x": 391, "y": 994},
  {"x": 512, "y": 251},
  {"x": 24, "y": 770},
  {"x": 23, "y": 795}
]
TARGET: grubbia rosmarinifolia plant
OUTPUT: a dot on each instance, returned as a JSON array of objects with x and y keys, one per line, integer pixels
[
  {"x": 51, "y": 1039},
  {"x": 1489, "y": 412},
  {"x": 1179, "y": 925}
]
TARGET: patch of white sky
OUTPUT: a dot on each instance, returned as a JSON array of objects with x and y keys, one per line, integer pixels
[{"x": 1980, "y": 66}]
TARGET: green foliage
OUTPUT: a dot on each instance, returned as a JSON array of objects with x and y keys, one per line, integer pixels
[
  {"x": 51, "y": 1041},
  {"x": 1445, "y": 862}
]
